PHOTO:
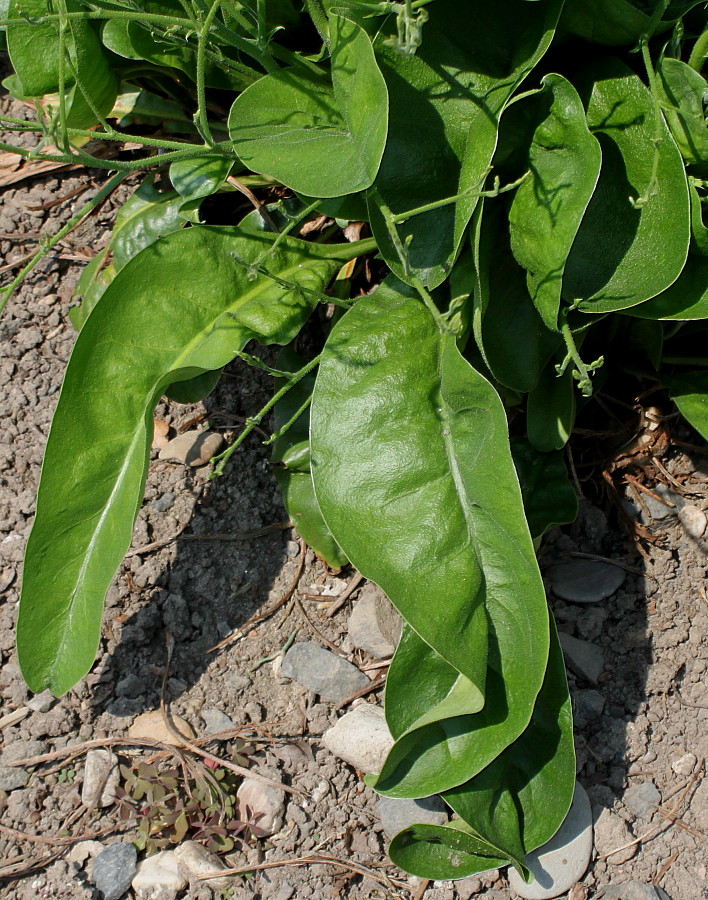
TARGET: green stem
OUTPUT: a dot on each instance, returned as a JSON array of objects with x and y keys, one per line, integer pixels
[
  {"x": 400, "y": 218},
  {"x": 699, "y": 52},
  {"x": 107, "y": 189},
  {"x": 291, "y": 421},
  {"x": 583, "y": 372},
  {"x": 223, "y": 458},
  {"x": 201, "y": 117},
  {"x": 286, "y": 230}
]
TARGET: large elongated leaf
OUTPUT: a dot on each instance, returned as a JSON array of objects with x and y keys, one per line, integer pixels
[
  {"x": 445, "y": 106},
  {"x": 682, "y": 91},
  {"x": 548, "y": 207},
  {"x": 414, "y": 477},
  {"x": 690, "y": 393},
  {"x": 320, "y": 140},
  {"x": 183, "y": 306},
  {"x": 623, "y": 255}
]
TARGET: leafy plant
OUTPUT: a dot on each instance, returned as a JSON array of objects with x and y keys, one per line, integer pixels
[{"x": 533, "y": 178}]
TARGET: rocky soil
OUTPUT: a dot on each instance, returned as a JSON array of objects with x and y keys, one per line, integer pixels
[{"x": 635, "y": 647}]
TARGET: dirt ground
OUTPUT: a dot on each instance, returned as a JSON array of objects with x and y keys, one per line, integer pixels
[{"x": 652, "y": 726}]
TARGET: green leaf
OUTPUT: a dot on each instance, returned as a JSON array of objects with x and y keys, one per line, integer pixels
[
  {"x": 549, "y": 497},
  {"x": 686, "y": 299},
  {"x": 34, "y": 51},
  {"x": 195, "y": 178},
  {"x": 192, "y": 390},
  {"x": 445, "y": 102},
  {"x": 443, "y": 852},
  {"x": 144, "y": 42},
  {"x": 183, "y": 306},
  {"x": 146, "y": 216},
  {"x": 548, "y": 207},
  {"x": 614, "y": 22},
  {"x": 318, "y": 140},
  {"x": 550, "y": 411},
  {"x": 413, "y": 473},
  {"x": 519, "y": 801},
  {"x": 622, "y": 255},
  {"x": 292, "y": 450},
  {"x": 682, "y": 93},
  {"x": 690, "y": 394},
  {"x": 513, "y": 339},
  {"x": 511, "y": 807}
]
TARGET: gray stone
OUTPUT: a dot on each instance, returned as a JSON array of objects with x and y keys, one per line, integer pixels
[
  {"x": 611, "y": 833},
  {"x": 13, "y": 777},
  {"x": 163, "y": 503},
  {"x": 562, "y": 861},
  {"x": 261, "y": 804},
  {"x": 585, "y": 580},
  {"x": 215, "y": 720},
  {"x": 584, "y": 658},
  {"x": 655, "y": 508},
  {"x": 322, "y": 672},
  {"x": 193, "y": 448},
  {"x": 101, "y": 777},
  {"x": 374, "y": 625},
  {"x": 194, "y": 861},
  {"x": 235, "y": 682},
  {"x": 685, "y": 764},
  {"x": 131, "y": 686},
  {"x": 642, "y": 799},
  {"x": 42, "y": 703},
  {"x": 158, "y": 872},
  {"x": 397, "y": 814},
  {"x": 694, "y": 521},
  {"x": 631, "y": 890},
  {"x": 114, "y": 869},
  {"x": 587, "y": 706},
  {"x": 361, "y": 738}
]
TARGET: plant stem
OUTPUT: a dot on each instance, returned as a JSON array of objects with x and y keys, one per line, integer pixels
[
  {"x": 291, "y": 421},
  {"x": 252, "y": 422},
  {"x": 400, "y": 218},
  {"x": 101, "y": 195},
  {"x": 201, "y": 117},
  {"x": 699, "y": 52},
  {"x": 583, "y": 371}
]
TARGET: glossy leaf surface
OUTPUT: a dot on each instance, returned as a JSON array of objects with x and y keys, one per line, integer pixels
[
  {"x": 183, "y": 306},
  {"x": 195, "y": 178},
  {"x": 409, "y": 452},
  {"x": 550, "y": 411},
  {"x": 564, "y": 160},
  {"x": 319, "y": 139},
  {"x": 682, "y": 91},
  {"x": 623, "y": 255},
  {"x": 445, "y": 106}
]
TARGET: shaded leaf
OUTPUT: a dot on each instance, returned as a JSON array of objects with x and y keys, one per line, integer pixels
[
  {"x": 549, "y": 497},
  {"x": 550, "y": 411},
  {"x": 690, "y": 394}
]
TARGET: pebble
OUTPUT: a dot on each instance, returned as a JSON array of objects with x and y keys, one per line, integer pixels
[
  {"x": 322, "y": 671},
  {"x": 685, "y": 764},
  {"x": 13, "y": 777},
  {"x": 84, "y": 850},
  {"x": 587, "y": 706},
  {"x": 41, "y": 703},
  {"x": 215, "y": 720},
  {"x": 235, "y": 682},
  {"x": 585, "y": 580},
  {"x": 164, "y": 502},
  {"x": 361, "y": 738},
  {"x": 160, "y": 433},
  {"x": 562, "y": 861},
  {"x": 193, "y": 448},
  {"x": 657, "y": 509},
  {"x": 611, "y": 832},
  {"x": 374, "y": 624},
  {"x": 113, "y": 870},
  {"x": 397, "y": 814},
  {"x": 159, "y": 872},
  {"x": 694, "y": 521},
  {"x": 131, "y": 686},
  {"x": 642, "y": 799},
  {"x": 584, "y": 658},
  {"x": 194, "y": 860},
  {"x": 631, "y": 890},
  {"x": 152, "y": 726},
  {"x": 101, "y": 778},
  {"x": 261, "y": 804}
]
